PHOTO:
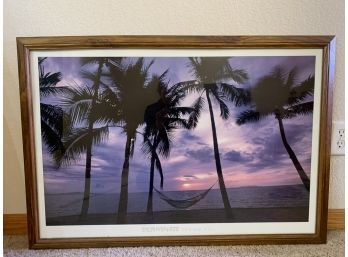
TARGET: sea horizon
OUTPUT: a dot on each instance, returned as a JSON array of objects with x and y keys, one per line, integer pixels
[
  {"x": 242, "y": 197},
  {"x": 188, "y": 190}
]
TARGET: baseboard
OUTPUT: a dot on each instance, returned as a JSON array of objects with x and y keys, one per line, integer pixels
[
  {"x": 335, "y": 219},
  {"x": 16, "y": 224}
]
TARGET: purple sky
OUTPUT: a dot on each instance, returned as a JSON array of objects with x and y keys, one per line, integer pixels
[{"x": 251, "y": 154}]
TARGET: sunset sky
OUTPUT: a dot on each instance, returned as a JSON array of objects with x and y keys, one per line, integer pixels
[{"x": 251, "y": 154}]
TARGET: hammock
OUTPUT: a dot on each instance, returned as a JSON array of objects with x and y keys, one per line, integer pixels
[{"x": 184, "y": 203}]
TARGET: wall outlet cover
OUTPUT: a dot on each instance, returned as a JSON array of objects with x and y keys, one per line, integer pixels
[{"x": 338, "y": 138}]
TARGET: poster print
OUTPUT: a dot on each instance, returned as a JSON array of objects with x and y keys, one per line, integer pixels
[
  {"x": 137, "y": 140},
  {"x": 196, "y": 140}
]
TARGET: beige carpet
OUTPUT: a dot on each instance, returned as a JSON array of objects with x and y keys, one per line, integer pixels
[{"x": 16, "y": 246}]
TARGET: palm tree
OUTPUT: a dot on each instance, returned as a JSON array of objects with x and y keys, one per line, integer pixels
[
  {"x": 86, "y": 106},
  {"x": 135, "y": 90},
  {"x": 161, "y": 119},
  {"x": 52, "y": 117},
  {"x": 210, "y": 74},
  {"x": 278, "y": 94},
  {"x": 96, "y": 78}
]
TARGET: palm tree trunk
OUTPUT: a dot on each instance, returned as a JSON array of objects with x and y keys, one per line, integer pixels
[
  {"x": 149, "y": 209},
  {"x": 123, "y": 202},
  {"x": 301, "y": 173},
  {"x": 222, "y": 186},
  {"x": 87, "y": 190},
  {"x": 86, "y": 194}
]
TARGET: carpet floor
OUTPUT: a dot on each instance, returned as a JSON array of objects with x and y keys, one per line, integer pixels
[{"x": 17, "y": 246}]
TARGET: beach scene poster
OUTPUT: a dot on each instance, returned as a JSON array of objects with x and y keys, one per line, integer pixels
[{"x": 176, "y": 140}]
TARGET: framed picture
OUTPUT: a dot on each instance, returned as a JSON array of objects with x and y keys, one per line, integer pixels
[{"x": 176, "y": 140}]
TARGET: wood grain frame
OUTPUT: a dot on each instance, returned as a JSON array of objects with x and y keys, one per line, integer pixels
[{"x": 25, "y": 45}]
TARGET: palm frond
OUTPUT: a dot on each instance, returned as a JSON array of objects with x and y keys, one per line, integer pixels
[
  {"x": 156, "y": 87},
  {"x": 118, "y": 75},
  {"x": 52, "y": 116},
  {"x": 108, "y": 61},
  {"x": 292, "y": 77},
  {"x": 159, "y": 168},
  {"x": 146, "y": 146},
  {"x": 149, "y": 150},
  {"x": 111, "y": 96},
  {"x": 145, "y": 68},
  {"x": 178, "y": 123},
  {"x": 301, "y": 91},
  {"x": 132, "y": 78},
  {"x": 99, "y": 135},
  {"x": 194, "y": 65},
  {"x": 51, "y": 138},
  {"x": 89, "y": 60},
  {"x": 174, "y": 98},
  {"x": 78, "y": 103},
  {"x": 86, "y": 74},
  {"x": 279, "y": 74},
  {"x": 190, "y": 86},
  {"x": 248, "y": 116},
  {"x": 298, "y": 109},
  {"x": 76, "y": 143},
  {"x": 92, "y": 76},
  {"x": 54, "y": 90},
  {"x": 49, "y": 79},
  {"x": 164, "y": 145},
  {"x": 106, "y": 112},
  {"x": 197, "y": 106},
  {"x": 237, "y": 75},
  {"x": 178, "y": 111},
  {"x": 215, "y": 69},
  {"x": 41, "y": 60},
  {"x": 109, "y": 106},
  {"x": 164, "y": 76},
  {"x": 138, "y": 67},
  {"x": 236, "y": 95},
  {"x": 270, "y": 92},
  {"x": 115, "y": 62},
  {"x": 219, "y": 98}
]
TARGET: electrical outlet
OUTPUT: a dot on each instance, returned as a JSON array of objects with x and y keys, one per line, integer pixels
[
  {"x": 338, "y": 138},
  {"x": 341, "y": 133}
]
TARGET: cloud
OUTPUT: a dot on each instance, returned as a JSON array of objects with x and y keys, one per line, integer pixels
[
  {"x": 190, "y": 137},
  {"x": 190, "y": 176},
  {"x": 270, "y": 151},
  {"x": 204, "y": 154},
  {"x": 187, "y": 137},
  {"x": 235, "y": 156}
]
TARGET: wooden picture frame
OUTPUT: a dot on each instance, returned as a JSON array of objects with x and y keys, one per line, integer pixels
[{"x": 28, "y": 46}]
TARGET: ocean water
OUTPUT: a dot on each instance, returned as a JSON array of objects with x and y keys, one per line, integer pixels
[{"x": 57, "y": 205}]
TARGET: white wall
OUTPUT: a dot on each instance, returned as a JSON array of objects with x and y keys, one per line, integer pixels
[{"x": 158, "y": 17}]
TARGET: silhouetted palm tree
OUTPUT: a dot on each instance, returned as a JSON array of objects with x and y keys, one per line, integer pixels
[
  {"x": 278, "y": 94},
  {"x": 86, "y": 106},
  {"x": 210, "y": 74},
  {"x": 96, "y": 78},
  {"x": 161, "y": 119},
  {"x": 135, "y": 89},
  {"x": 52, "y": 117}
]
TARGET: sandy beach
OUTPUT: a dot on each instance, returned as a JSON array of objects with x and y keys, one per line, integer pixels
[{"x": 298, "y": 214}]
